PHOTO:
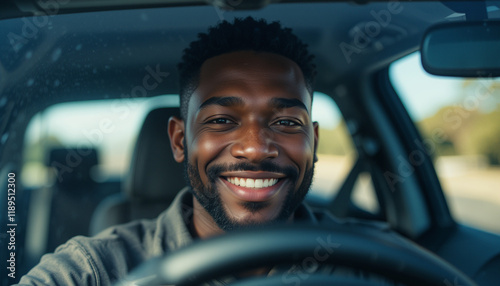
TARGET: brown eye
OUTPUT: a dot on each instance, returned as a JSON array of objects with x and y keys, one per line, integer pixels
[
  {"x": 221, "y": 121},
  {"x": 285, "y": 122}
]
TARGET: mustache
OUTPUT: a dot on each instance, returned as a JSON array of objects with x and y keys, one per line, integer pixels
[{"x": 214, "y": 171}]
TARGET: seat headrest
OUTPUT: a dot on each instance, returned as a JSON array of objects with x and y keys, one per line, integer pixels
[
  {"x": 73, "y": 165},
  {"x": 154, "y": 174}
]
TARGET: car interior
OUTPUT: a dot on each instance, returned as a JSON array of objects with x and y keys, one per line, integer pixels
[
  {"x": 152, "y": 168},
  {"x": 76, "y": 74}
]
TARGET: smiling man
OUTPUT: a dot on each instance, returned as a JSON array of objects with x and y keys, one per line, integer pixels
[
  {"x": 246, "y": 140},
  {"x": 246, "y": 137}
]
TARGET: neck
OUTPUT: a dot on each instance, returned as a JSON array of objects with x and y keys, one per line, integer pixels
[{"x": 203, "y": 224}]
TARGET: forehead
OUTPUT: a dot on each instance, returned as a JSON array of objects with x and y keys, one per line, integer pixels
[
  {"x": 228, "y": 65},
  {"x": 255, "y": 76}
]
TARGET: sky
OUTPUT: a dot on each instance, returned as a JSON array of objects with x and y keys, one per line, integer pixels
[{"x": 423, "y": 94}]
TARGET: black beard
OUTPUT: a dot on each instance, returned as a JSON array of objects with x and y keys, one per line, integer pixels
[{"x": 209, "y": 198}]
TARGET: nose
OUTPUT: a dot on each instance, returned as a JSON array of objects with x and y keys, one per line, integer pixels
[{"x": 255, "y": 144}]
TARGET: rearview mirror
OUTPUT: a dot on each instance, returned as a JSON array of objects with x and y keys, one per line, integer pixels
[{"x": 463, "y": 49}]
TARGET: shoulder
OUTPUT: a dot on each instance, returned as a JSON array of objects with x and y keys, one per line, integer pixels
[
  {"x": 98, "y": 260},
  {"x": 73, "y": 263},
  {"x": 138, "y": 232},
  {"x": 111, "y": 254}
]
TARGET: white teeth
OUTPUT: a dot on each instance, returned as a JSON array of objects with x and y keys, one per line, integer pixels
[
  {"x": 258, "y": 183},
  {"x": 252, "y": 183}
]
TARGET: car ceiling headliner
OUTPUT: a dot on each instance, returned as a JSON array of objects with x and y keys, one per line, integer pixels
[{"x": 105, "y": 54}]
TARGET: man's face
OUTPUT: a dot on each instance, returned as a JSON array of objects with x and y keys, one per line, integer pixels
[{"x": 248, "y": 141}]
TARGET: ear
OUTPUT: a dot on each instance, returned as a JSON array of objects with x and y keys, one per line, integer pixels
[
  {"x": 316, "y": 138},
  {"x": 176, "y": 134}
]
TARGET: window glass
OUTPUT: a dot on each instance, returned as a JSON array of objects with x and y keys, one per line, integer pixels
[
  {"x": 459, "y": 120},
  {"x": 335, "y": 152},
  {"x": 336, "y": 157},
  {"x": 363, "y": 195},
  {"x": 108, "y": 126}
]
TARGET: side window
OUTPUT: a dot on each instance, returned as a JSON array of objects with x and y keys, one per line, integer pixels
[
  {"x": 336, "y": 158},
  {"x": 81, "y": 127},
  {"x": 109, "y": 127},
  {"x": 459, "y": 120}
]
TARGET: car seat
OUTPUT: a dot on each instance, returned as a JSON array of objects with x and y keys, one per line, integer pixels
[
  {"x": 73, "y": 189},
  {"x": 154, "y": 178}
]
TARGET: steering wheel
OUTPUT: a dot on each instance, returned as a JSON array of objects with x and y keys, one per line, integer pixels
[{"x": 361, "y": 247}]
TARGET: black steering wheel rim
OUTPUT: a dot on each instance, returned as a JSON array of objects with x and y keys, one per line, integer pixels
[{"x": 366, "y": 248}]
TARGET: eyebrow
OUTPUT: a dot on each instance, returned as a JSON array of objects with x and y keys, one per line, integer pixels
[
  {"x": 276, "y": 102},
  {"x": 222, "y": 101},
  {"x": 282, "y": 103}
]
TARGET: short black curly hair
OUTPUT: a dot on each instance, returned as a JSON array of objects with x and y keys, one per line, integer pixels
[{"x": 242, "y": 34}]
